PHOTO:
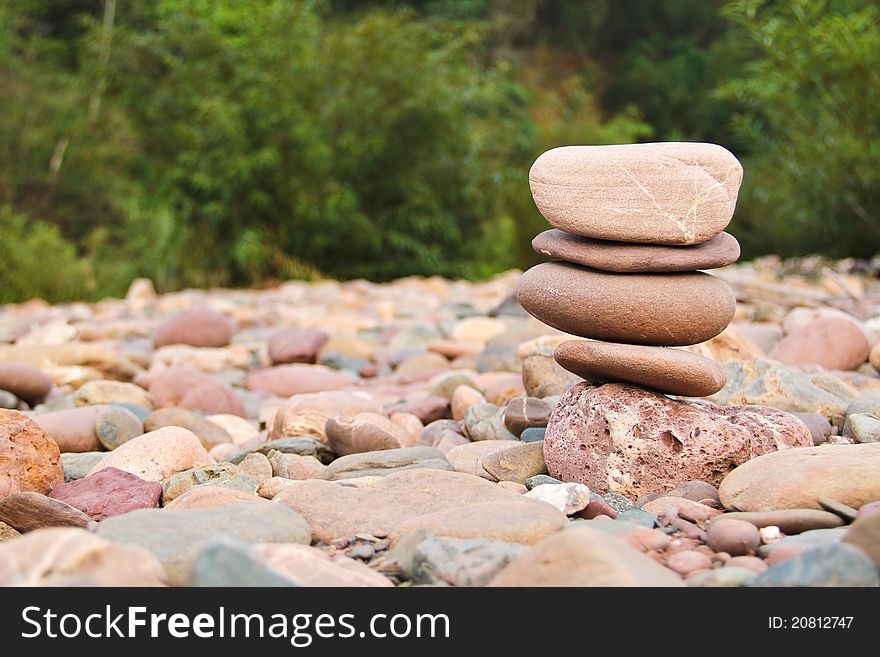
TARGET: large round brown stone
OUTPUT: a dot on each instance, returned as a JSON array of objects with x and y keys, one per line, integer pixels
[
  {"x": 654, "y": 309},
  {"x": 671, "y": 371},
  {"x": 29, "y": 457},
  {"x": 664, "y": 193},
  {"x": 721, "y": 250},
  {"x": 633, "y": 441}
]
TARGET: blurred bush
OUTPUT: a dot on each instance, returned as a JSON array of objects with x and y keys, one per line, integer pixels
[{"x": 214, "y": 142}]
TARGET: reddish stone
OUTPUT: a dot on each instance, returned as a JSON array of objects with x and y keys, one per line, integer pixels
[
  {"x": 633, "y": 441},
  {"x": 289, "y": 380},
  {"x": 832, "y": 342},
  {"x": 29, "y": 458},
  {"x": 296, "y": 345},
  {"x": 597, "y": 507},
  {"x": 188, "y": 387},
  {"x": 109, "y": 492},
  {"x": 427, "y": 409},
  {"x": 197, "y": 327}
]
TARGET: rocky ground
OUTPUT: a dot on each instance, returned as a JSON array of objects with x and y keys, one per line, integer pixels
[{"x": 356, "y": 434}]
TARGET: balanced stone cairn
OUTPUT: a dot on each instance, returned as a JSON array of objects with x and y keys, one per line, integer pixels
[{"x": 633, "y": 225}]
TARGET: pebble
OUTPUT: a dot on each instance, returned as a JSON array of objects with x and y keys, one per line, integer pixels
[
  {"x": 847, "y": 473},
  {"x": 78, "y": 465},
  {"x": 688, "y": 561},
  {"x": 832, "y": 342},
  {"x": 115, "y": 426},
  {"x": 516, "y": 463},
  {"x": 94, "y": 393},
  {"x": 364, "y": 432},
  {"x": 24, "y": 381},
  {"x": 568, "y": 498},
  {"x": 468, "y": 457},
  {"x": 8, "y": 400},
  {"x": 521, "y": 413},
  {"x": 789, "y": 521},
  {"x": 540, "y": 480},
  {"x": 157, "y": 455},
  {"x": 831, "y": 565},
  {"x": 296, "y": 345},
  {"x": 464, "y": 398},
  {"x": 224, "y": 475},
  {"x": 790, "y": 545},
  {"x": 26, "y": 512},
  {"x": 533, "y": 434},
  {"x": 484, "y": 422},
  {"x": 736, "y": 537},
  {"x": 197, "y": 327},
  {"x": 108, "y": 492},
  {"x": 74, "y": 429}
]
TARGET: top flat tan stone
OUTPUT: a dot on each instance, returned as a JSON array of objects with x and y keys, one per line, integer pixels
[{"x": 662, "y": 193}]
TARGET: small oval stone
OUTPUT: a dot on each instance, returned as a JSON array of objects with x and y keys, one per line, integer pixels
[{"x": 736, "y": 537}]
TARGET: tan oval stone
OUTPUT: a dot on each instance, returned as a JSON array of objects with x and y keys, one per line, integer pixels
[
  {"x": 672, "y": 371},
  {"x": 797, "y": 478},
  {"x": 652, "y": 309},
  {"x": 158, "y": 454},
  {"x": 719, "y": 251},
  {"x": 661, "y": 193}
]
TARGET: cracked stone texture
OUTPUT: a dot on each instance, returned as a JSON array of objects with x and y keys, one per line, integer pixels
[
  {"x": 672, "y": 371},
  {"x": 721, "y": 250},
  {"x": 29, "y": 457},
  {"x": 652, "y": 309},
  {"x": 661, "y": 193},
  {"x": 633, "y": 441}
]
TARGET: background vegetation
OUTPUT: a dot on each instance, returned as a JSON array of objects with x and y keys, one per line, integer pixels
[{"x": 218, "y": 142}]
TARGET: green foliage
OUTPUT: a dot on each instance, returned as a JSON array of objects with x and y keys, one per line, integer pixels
[
  {"x": 36, "y": 257},
  {"x": 371, "y": 148},
  {"x": 808, "y": 112},
  {"x": 216, "y": 142}
]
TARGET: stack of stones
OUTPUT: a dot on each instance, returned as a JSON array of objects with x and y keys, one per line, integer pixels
[{"x": 633, "y": 225}]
